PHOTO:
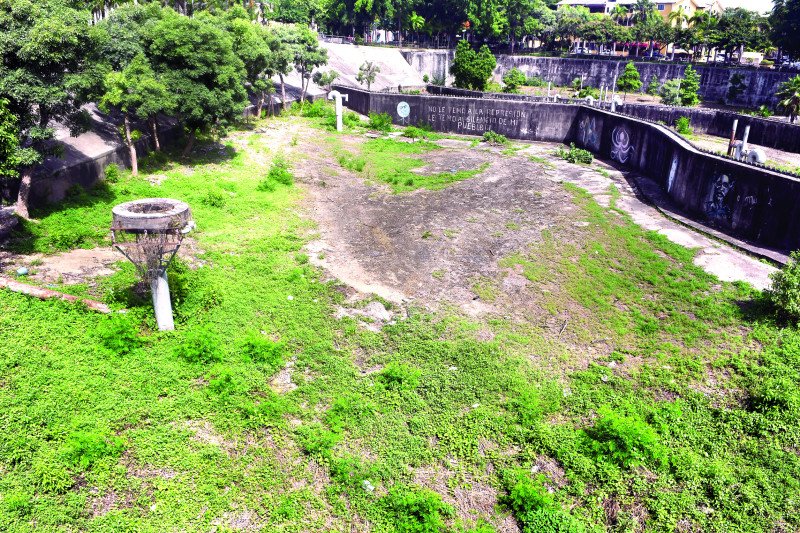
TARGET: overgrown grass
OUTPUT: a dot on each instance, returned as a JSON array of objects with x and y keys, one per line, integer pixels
[{"x": 663, "y": 399}]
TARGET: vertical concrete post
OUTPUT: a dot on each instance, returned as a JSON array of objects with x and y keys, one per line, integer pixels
[
  {"x": 337, "y": 96},
  {"x": 161, "y": 302},
  {"x": 744, "y": 138},
  {"x": 733, "y": 136},
  {"x": 548, "y": 90}
]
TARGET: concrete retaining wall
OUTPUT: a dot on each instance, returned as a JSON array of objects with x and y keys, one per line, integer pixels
[
  {"x": 761, "y": 84},
  {"x": 751, "y": 203}
]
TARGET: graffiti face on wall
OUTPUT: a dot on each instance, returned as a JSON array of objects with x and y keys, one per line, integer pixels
[
  {"x": 717, "y": 208},
  {"x": 621, "y": 148},
  {"x": 589, "y": 134}
]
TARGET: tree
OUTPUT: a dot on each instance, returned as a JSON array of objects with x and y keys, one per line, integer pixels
[
  {"x": 670, "y": 92},
  {"x": 195, "y": 59},
  {"x": 138, "y": 93},
  {"x": 12, "y": 156},
  {"x": 629, "y": 81},
  {"x": 306, "y": 54},
  {"x": 325, "y": 79},
  {"x": 738, "y": 29},
  {"x": 620, "y": 14},
  {"x": 785, "y": 23},
  {"x": 513, "y": 79},
  {"x": 690, "y": 85},
  {"x": 654, "y": 87},
  {"x": 43, "y": 76},
  {"x": 789, "y": 97},
  {"x": 367, "y": 73},
  {"x": 471, "y": 69}
]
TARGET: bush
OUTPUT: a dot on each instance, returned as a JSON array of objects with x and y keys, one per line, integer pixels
[
  {"x": 492, "y": 137},
  {"x": 278, "y": 174},
  {"x": 351, "y": 119},
  {"x": 575, "y": 155},
  {"x": 118, "y": 333},
  {"x": 535, "y": 81},
  {"x": 690, "y": 87},
  {"x": 670, "y": 93},
  {"x": 199, "y": 345},
  {"x": 418, "y": 511},
  {"x": 778, "y": 393},
  {"x": 625, "y": 440},
  {"x": 785, "y": 291},
  {"x": 214, "y": 198},
  {"x": 654, "y": 87},
  {"x": 262, "y": 350},
  {"x": 397, "y": 376},
  {"x": 682, "y": 126},
  {"x": 588, "y": 90},
  {"x": 352, "y": 162},
  {"x": 112, "y": 173},
  {"x": 413, "y": 132},
  {"x": 472, "y": 69},
  {"x": 535, "y": 508},
  {"x": 513, "y": 79},
  {"x": 380, "y": 122},
  {"x": 764, "y": 111},
  {"x": 84, "y": 448},
  {"x": 316, "y": 109}
]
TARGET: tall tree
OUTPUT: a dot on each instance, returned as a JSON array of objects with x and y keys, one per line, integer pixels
[
  {"x": 308, "y": 55},
  {"x": 44, "y": 75},
  {"x": 471, "y": 69},
  {"x": 367, "y": 73},
  {"x": 629, "y": 81},
  {"x": 789, "y": 97},
  {"x": 785, "y": 22},
  {"x": 196, "y": 61}
]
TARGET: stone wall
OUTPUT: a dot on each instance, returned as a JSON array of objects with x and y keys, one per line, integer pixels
[
  {"x": 751, "y": 203},
  {"x": 761, "y": 84}
]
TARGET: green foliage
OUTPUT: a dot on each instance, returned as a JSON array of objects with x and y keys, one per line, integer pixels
[
  {"x": 784, "y": 293},
  {"x": 214, "y": 198},
  {"x": 471, "y": 69},
  {"x": 690, "y": 85},
  {"x": 535, "y": 81},
  {"x": 316, "y": 109},
  {"x": 380, "y": 122},
  {"x": 764, "y": 111},
  {"x": 278, "y": 174},
  {"x": 588, "y": 90},
  {"x": 84, "y": 448},
  {"x": 325, "y": 79},
  {"x": 367, "y": 73},
  {"x": 400, "y": 377},
  {"x": 682, "y": 126},
  {"x": 736, "y": 86},
  {"x": 629, "y": 81},
  {"x": 418, "y": 511},
  {"x": 625, "y": 440},
  {"x": 654, "y": 87},
  {"x": 535, "y": 508},
  {"x": 263, "y": 351},
  {"x": 492, "y": 137},
  {"x": 119, "y": 333},
  {"x": 199, "y": 345},
  {"x": 352, "y": 162},
  {"x": 789, "y": 97},
  {"x": 513, "y": 79},
  {"x": 670, "y": 92},
  {"x": 573, "y": 154},
  {"x": 112, "y": 172}
]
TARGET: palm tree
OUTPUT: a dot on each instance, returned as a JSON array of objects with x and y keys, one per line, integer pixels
[
  {"x": 641, "y": 9},
  {"x": 677, "y": 18},
  {"x": 789, "y": 97},
  {"x": 620, "y": 13},
  {"x": 416, "y": 22}
]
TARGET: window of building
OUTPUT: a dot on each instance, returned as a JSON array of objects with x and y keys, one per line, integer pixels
[{"x": 661, "y": 7}]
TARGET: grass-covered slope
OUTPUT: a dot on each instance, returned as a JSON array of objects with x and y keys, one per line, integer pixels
[{"x": 690, "y": 424}]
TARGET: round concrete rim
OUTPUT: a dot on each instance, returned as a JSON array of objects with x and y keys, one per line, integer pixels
[{"x": 174, "y": 217}]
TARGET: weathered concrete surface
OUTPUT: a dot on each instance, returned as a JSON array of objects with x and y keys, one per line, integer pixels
[
  {"x": 751, "y": 203},
  {"x": 395, "y": 71},
  {"x": 761, "y": 84}
]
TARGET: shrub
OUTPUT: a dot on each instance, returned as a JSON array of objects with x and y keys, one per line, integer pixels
[
  {"x": 535, "y": 81},
  {"x": 413, "y": 132},
  {"x": 112, "y": 173},
  {"x": 278, "y": 174},
  {"x": 785, "y": 291},
  {"x": 775, "y": 393},
  {"x": 214, "y": 198},
  {"x": 629, "y": 81},
  {"x": 472, "y": 69},
  {"x": 50, "y": 474},
  {"x": 513, "y": 79},
  {"x": 426, "y": 78},
  {"x": 625, "y": 440},
  {"x": 84, "y": 448},
  {"x": 439, "y": 80},
  {"x": 317, "y": 440},
  {"x": 654, "y": 87},
  {"x": 682, "y": 126},
  {"x": 262, "y": 350},
  {"x": 492, "y": 137},
  {"x": 418, "y": 511},
  {"x": 535, "y": 508},
  {"x": 670, "y": 93},
  {"x": 380, "y": 122},
  {"x": 575, "y": 155},
  {"x": 118, "y": 333},
  {"x": 351, "y": 119},
  {"x": 690, "y": 87},
  {"x": 317, "y": 109},
  {"x": 764, "y": 111},
  {"x": 352, "y": 162},
  {"x": 199, "y": 345},
  {"x": 588, "y": 90},
  {"x": 398, "y": 376}
]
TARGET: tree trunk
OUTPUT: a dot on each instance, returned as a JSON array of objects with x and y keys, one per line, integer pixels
[
  {"x": 24, "y": 193},
  {"x": 154, "y": 131},
  {"x": 283, "y": 92},
  {"x": 189, "y": 145},
  {"x": 303, "y": 86},
  {"x": 131, "y": 146},
  {"x": 260, "y": 105}
]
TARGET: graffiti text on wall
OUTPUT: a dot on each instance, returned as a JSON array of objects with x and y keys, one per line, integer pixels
[{"x": 465, "y": 118}]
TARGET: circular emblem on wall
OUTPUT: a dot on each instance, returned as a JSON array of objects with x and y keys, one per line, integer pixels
[{"x": 403, "y": 109}]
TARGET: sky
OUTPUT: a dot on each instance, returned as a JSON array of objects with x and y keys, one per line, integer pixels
[{"x": 753, "y": 5}]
